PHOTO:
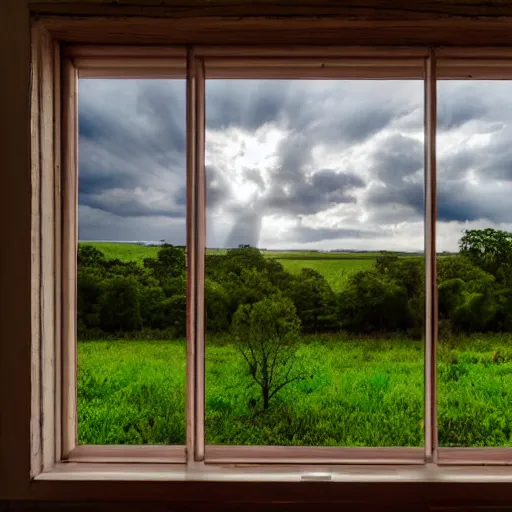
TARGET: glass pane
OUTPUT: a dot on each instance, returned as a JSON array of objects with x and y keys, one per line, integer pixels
[
  {"x": 314, "y": 266},
  {"x": 474, "y": 241},
  {"x": 131, "y": 262}
]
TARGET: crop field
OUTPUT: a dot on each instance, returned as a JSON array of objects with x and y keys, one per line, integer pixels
[{"x": 357, "y": 392}]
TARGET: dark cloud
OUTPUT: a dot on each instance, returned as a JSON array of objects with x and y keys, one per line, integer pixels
[
  {"x": 457, "y": 107},
  {"x": 132, "y": 166},
  {"x": 246, "y": 230},
  {"x": 396, "y": 158},
  {"x": 255, "y": 176},
  {"x": 243, "y": 104},
  {"x": 218, "y": 188},
  {"x": 132, "y": 147},
  {"x": 96, "y": 224},
  {"x": 308, "y": 195}
]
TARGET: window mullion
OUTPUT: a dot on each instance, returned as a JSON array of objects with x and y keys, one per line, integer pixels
[
  {"x": 195, "y": 258},
  {"x": 430, "y": 259},
  {"x": 200, "y": 256}
]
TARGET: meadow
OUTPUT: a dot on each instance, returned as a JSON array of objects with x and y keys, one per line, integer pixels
[
  {"x": 335, "y": 267},
  {"x": 358, "y": 392}
]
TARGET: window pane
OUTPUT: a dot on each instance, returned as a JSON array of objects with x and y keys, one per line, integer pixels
[
  {"x": 474, "y": 242},
  {"x": 131, "y": 262},
  {"x": 314, "y": 266}
]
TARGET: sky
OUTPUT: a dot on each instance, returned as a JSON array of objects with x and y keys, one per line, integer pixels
[{"x": 294, "y": 164}]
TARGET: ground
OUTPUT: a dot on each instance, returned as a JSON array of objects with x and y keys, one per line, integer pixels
[{"x": 356, "y": 391}]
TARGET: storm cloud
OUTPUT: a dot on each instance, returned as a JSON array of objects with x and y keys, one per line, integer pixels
[{"x": 296, "y": 163}]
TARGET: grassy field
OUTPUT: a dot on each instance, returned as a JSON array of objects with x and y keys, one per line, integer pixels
[
  {"x": 335, "y": 271},
  {"x": 357, "y": 393},
  {"x": 124, "y": 252},
  {"x": 335, "y": 267}
]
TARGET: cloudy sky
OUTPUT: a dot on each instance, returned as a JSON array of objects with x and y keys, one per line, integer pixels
[{"x": 294, "y": 164}]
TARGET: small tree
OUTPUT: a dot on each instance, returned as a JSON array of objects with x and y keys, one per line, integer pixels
[{"x": 267, "y": 334}]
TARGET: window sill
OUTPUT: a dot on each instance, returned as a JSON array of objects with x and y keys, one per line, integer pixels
[
  {"x": 69, "y": 471},
  {"x": 209, "y": 483}
]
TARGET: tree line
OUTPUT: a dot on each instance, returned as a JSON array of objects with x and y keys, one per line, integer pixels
[{"x": 474, "y": 291}]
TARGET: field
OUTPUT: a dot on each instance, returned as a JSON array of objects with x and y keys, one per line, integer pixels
[
  {"x": 335, "y": 267},
  {"x": 359, "y": 392}
]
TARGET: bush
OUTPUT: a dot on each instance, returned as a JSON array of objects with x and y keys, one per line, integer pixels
[
  {"x": 119, "y": 307},
  {"x": 374, "y": 303}
]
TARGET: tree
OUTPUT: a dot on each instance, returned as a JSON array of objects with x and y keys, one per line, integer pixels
[
  {"x": 372, "y": 302},
  {"x": 89, "y": 256},
  {"x": 267, "y": 334},
  {"x": 315, "y": 301},
  {"x": 120, "y": 304},
  {"x": 490, "y": 249},
  {"x": 170, "y": 262},
  {"x": 243, "y": 257}
]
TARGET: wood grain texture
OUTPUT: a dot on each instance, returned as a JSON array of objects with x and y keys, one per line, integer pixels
[
  {"x": 281, "y": 31},
  {"x": 69, "y": 254},
  {"x": 58, "y": 249},
  {"x": 191, "y": 258},
  {"x": 475, "y": 456},
  {"x": 311, "y": 455},
  {"x": 200, "y": 233},
  {"x": 355, "y": 9},
  {"x": 146, "y": 454},
  {"x": 46, "y": 230},
  {"x": 431, "y": 323},
  {"x": 35, "y": 267}
]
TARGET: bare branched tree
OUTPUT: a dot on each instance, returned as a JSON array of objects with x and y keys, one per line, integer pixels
[{"x": 267, "y": 336}]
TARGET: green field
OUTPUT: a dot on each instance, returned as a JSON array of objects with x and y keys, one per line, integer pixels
[
  {"x": 335, "y": 271},
  {"x": 357, "y": 393},
  {"x": 335, "y": 267}
]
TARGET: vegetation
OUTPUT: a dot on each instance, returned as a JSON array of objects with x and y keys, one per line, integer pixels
[
  {"x": 276, "y": 331},
  {"x": 359, "y": 392}
]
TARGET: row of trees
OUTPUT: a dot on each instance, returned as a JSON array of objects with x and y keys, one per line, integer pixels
[
  {"x": 475, "y": 291},
  {"x": 265, "y": 308}
]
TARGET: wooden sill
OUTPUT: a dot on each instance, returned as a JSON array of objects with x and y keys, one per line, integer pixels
[
  {"x": 209, "y": 483},
  {"x": 70, "y": 471},
  {"x": 155, "y": 454}
]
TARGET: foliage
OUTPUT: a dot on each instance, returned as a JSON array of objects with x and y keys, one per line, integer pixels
[
  {"x": 359, "y": 292},
  {"x": 170, "y": 262},
  {"x": 364, "y": 392},
  {"x": 119, "y": 306},
  {"x": 489, "y": 249},
  {"x": 267, "y": 334}
]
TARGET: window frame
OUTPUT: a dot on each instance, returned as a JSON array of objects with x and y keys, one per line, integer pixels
[{"x": 54, "y": 456}]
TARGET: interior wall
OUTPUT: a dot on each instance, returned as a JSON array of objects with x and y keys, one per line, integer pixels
[{"x": 15, "y": 187}]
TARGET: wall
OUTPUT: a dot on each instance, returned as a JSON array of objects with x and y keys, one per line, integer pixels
[{"x": 15, "y": 189}]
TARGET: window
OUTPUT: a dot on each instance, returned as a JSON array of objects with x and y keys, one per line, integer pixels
[
  {"x": 215, "y": 168},
  {"x": 131, "y": 288},
  {"x": 314, "y": 217}
]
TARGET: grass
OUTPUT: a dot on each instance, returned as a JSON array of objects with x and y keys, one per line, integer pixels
[
  {"x": 131, "y": 392},
  {"x": 125, "y": 252},
  {"x": 335, "y": 271},
  {"x": 475, "y": 391},
  {"x": 358, "y": 393}
]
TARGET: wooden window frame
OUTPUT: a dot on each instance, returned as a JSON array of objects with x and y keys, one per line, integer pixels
[{"x": 54, "y": 456}]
